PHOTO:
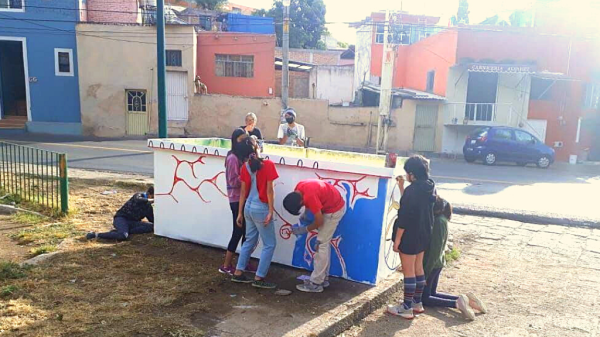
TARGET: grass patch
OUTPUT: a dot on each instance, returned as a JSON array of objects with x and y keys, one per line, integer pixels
[
  {"x": 142, "y": 187},
  {"x": 11, "y": 271},
  {"x": 52, "y": 234},
  {"x": 28, "y": 218},
  {"x": 452, "y": 255},
  {"x": 8, "y": 291},
  {"x": 42, "y": 250}
]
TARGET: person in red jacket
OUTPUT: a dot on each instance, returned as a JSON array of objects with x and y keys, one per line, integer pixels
[{"x": 328, "y": 207}]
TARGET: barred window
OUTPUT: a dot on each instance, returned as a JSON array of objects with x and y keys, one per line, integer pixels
[
  {"x": 234, "y": 65},
  {"x": 11, "y": 4},
  {"x": 174, "y": 58},
  {"x": 136, "y": 101}
]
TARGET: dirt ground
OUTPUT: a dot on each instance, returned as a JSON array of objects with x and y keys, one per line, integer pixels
[
  {"x": 148, "y": 286},
  {"x": 537, "y": 281}
]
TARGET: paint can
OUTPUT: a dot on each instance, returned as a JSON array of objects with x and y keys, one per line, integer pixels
[{"x": 390, "y": 160}]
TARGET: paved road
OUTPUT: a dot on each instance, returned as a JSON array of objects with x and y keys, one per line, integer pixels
[{"x": 563, "y": 190}]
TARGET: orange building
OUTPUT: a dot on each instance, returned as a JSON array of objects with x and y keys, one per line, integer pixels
[{"x": 237, "y": 64}]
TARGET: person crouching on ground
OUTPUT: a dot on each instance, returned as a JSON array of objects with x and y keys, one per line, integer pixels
[
  {"x": 435, "y": 260},
  {"x": 257, "y": 197},
  {"x": 128, "y": 219},
  {"x": 412, "y": 231},
  {"x": 328, "y": 207}
]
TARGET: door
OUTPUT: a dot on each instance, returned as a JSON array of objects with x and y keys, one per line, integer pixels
[
  {"x": 526, "y": 149},
  {"x": 177, "y": 96},
  {"x": 502, "y": 143},
  {"x": 425, "y": 125},
  {"x": 137, "y": 112}
]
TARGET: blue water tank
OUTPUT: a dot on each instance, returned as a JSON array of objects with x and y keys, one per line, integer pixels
[{"x": 250, "y": 24}]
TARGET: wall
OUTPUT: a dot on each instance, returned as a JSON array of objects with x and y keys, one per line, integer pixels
[
  {"x": 52, "y": 99},
  {"x": 362, "y": 59},
  {"x": 299, "y": 84},
  {"x": 122, "y": 11},
  {"x": 259, "y": 45},
  {"x": 108, "y": 67},
  {"x": 333, "y": 83},
  {"x": 317, "y": 57}
]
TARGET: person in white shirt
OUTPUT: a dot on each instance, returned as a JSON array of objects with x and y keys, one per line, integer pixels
[{"x": 292, "y": 133}]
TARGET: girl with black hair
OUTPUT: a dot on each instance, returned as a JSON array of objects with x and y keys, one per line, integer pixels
[{"x": 257, "y": 206}]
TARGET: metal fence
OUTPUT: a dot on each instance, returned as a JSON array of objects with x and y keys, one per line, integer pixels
[{"x": 35, "y": 176}]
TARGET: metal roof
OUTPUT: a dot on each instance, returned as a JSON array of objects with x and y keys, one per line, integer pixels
[
  {"x": 294, "y": 65},
  {"x": 406, "y": 93}
]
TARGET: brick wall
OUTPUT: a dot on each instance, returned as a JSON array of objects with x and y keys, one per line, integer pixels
[
  {"x": 299, "y": 84},
  {"x": 318, "y": 57},
  {"x": 111, "y": 11}
]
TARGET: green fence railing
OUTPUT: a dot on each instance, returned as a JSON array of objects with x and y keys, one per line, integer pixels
[{"x": 34, "y": 175}]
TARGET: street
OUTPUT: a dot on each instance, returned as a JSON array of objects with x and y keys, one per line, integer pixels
[{"x": 562, "y": 190}]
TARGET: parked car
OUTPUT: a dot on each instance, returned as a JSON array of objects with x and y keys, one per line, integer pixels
[{"x": 504, "y": 144}]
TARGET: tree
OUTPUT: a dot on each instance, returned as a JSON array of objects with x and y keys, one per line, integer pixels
[
  {"x": 210, "y": 4},
  {"x": 307, "y": 22},
  {"x": 342, "y": 44},
  {"x": 462, "y": 15}
]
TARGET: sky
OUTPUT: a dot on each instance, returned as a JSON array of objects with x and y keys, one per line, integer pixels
[{"x": 340, "y": 11}]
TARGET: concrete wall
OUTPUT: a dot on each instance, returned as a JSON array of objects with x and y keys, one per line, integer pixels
[
  {"x": 260, "y": 46},
  {"x": 332, "y": 83},
  {"x": 108, "y": 67},
  {"x": 362, "y": 59}
]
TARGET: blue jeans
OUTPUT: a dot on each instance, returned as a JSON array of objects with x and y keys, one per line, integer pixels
[
  {"x": 255, "y": 226},
  {"x": 431, "y": 298}
]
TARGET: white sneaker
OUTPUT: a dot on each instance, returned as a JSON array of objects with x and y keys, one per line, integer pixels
[
  {"x": 418, "y": 308},
  {"x": 400, "y": 310},
  {"x": 310, "y": 287},
  {"x": 476, "y": 303},
  {"x": 463, "y": 305}
]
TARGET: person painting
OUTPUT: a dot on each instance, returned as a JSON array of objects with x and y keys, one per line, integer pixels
[
  {"x": 435, "y": 260},
  {"x": 412, "y": 233},
  {"x": 291, "y": 133},
  {"x": 328, "y": 207},
  {"x": 233, "y": 164},
  {"x": 256, "y": 206},
  {"x": 128, "y": 219}
]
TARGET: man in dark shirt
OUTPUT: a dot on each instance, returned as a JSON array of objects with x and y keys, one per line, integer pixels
[
  {"x": 128, "y": 219},
  {"x": 250, "y": 126}
]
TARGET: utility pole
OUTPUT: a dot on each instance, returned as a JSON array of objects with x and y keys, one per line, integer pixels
[
  {"x": 385, "y": 93},
  {"x": 285, "y": 70},
  {"x": 160, "y": 52}
]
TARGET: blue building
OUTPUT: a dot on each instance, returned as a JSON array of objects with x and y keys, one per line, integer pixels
[{"x": 38, "y": 65}]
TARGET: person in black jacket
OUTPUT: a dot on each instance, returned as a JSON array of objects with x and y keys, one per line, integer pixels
[
  {"x": 412, "y": 233},
  {"x": 128, "y": 219}
]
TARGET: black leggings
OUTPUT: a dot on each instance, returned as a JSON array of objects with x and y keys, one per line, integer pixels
[{"x": 238, "y": 233}]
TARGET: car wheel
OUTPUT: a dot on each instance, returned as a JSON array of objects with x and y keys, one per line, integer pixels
[
  {"x": 470, "y": 159},
  {"x": 521, "y": 164},
  {"x": 543, "y": 162},
  {"x": 490, "y": 158}
]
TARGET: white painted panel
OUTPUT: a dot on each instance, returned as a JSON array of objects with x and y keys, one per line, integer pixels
[
  {"x": 177, "y": 96},
  {"x": 536, "y": 127}
]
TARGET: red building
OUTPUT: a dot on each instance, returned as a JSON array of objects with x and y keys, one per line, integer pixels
[{"x": 237, "y": 64}]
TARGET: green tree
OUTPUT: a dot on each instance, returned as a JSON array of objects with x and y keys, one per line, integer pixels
[
  {"x": 462, "y": 15},
  {"x": 210, "y": 4},
  {"x": 342, "y": 44},
  {"x": 307, "y": 22}
]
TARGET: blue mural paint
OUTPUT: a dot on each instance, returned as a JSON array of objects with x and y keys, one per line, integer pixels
[{"x": 360, "y": 235}]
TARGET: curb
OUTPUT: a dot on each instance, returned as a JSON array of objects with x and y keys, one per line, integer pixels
[
  {"x": 344, "y": 316},
  {"x": 527, "y": 217}
]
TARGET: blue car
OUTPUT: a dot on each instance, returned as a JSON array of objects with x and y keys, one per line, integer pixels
[{"x": 504, "y": 144}]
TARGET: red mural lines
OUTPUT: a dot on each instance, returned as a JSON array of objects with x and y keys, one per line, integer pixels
[
  {"x": 355, "y": 192},
  {"x": 177, "y": 179},
  {"x": 286, "y": 229}
]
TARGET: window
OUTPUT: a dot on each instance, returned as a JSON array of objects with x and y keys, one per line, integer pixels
[
  {"x": 592, "y": 96},
  {"x": 502, "y": 134},
  {"x": 136, "y": 100},
  {"x": 541, "y": 89},
  {"x": 63, "y": 59},
  {"x": 481, "y": 96},
  {"x": 380, "y": 34},
  {"x": 11, "y": 5},
  {"x": 430, "y": 80},
  {"x": 174, "y": 58},
  {"x": 524, "y": 137},
  {"x": 234, "y": 65}
]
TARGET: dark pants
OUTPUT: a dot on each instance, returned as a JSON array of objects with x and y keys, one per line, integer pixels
[
  {"x": 431, "y": 298},
  {"x": 124, "y": 227},
  {"x": 238, "y": 233}
]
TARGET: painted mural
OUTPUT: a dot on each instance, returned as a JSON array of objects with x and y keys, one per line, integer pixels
[{"x": 191, "y": 204}]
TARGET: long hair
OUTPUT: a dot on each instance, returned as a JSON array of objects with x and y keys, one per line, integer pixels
[
  {"x": 250, "y": 145},
  {"x": 235, "y": 146},
  {"x": 442, "y": 207}
]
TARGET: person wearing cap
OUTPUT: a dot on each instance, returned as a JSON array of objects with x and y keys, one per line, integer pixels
[
  {"x": 291, "y": 133},
  {"x": 325, "y": 202}
]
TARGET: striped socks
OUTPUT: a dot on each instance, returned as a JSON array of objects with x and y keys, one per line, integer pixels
[
  {"x": 410, "y": 285},
  {"x": 421, "y": 281}
]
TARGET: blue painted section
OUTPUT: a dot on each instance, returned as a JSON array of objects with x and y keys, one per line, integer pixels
[
  {"x": 360, "y": 231},
  {"x": 70, "y": 129},
  {"x": 53, "y": 98},
  {"x": 250, "y": 24}
]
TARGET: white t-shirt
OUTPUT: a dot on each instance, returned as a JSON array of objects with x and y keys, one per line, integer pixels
[{"x": 297, "y": 132}]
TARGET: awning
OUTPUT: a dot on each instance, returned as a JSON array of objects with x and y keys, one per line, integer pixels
[
  {"x": 501, "y": 68},
  {"x": 406, "y": 93},
  {"x": 293, "y": 65}
]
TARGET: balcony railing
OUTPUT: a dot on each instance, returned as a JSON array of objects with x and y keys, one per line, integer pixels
[{"x": 478, "y": 114}]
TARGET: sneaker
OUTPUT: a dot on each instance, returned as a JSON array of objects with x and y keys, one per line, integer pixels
[
  {"x": 241, "y": 279},
  {"x": 227, "y": 270},
  {"x": 309, "y": 287},
  {"x": 463, "y": 305},
  {"x": 250, "y": 268},
  {"x": 91, "y": 235},
  {"x": 418, "y": 308},
  {"x": 263, "y": 284},
  {"x": 476, "y": 303},
  {"x": 401, "y": 311},
  {"x": 325, "y": 283}
]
